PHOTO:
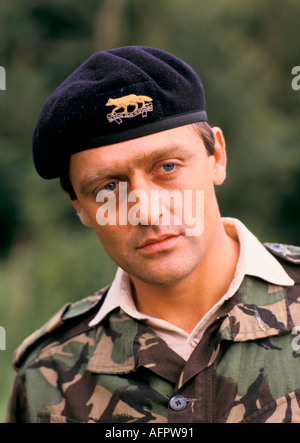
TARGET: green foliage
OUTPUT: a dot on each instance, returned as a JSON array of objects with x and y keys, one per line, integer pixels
[{"x": 244, "y": 54}]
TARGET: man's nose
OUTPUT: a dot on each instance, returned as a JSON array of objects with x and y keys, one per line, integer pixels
[
  {"x": 143, "y": 208},
  {"x": 140, "y": 212}
]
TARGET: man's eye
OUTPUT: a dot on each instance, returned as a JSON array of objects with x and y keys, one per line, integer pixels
[
  {"x": 110, "y": 187},
  {"x": 107, "y": 189},
  {"x": 168, "y": 166}
]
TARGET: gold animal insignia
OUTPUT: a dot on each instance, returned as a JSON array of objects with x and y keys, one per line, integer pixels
[{"x": 128, "y": 100}]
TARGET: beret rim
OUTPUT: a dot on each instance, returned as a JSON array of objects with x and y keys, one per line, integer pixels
[
  {"x": 111, "y": 139},
  {"x": 144, "y": 130}
]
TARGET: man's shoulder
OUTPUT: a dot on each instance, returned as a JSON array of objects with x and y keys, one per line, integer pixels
[
  {"x": 289, "y": 253},
  {"x": 289, "y": 258},
  {"x": 71, "y": 320}
]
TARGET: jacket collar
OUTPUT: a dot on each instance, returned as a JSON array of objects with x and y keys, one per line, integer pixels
[
  {"x": 258, "y": 310},
  {"x": 125, "y": 344}
]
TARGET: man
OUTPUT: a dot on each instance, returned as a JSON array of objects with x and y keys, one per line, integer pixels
[{"x": 200, "y": 322}]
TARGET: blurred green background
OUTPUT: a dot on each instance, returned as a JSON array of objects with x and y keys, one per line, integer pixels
[{"x": 244, "y": 53}]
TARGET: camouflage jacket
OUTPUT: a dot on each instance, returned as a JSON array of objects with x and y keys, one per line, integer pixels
[{"x": 246, "y": 368}]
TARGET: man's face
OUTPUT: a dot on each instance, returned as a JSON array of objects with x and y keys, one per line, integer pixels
[{"x": 152, "y": 250}]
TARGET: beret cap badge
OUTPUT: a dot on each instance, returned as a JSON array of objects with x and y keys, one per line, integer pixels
[{"x": 131, "y": 100}]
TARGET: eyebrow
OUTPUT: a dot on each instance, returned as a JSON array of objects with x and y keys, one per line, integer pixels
[
  {"x": 86, "y": 185},
  {"x": 161, "y": 153}
]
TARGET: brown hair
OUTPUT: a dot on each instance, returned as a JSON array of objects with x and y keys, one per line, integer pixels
[
  {"x": 205, "y": 132},
  {"x": 203, "y": 129}
]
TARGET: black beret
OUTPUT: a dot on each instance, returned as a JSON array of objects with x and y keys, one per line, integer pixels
[{"x": 114, "y": 96}]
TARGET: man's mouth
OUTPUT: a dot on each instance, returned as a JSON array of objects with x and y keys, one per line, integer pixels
[{"x": 158, "y": 243}]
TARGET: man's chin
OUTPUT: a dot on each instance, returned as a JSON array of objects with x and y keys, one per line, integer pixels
[{"x": 160, "y": 276}]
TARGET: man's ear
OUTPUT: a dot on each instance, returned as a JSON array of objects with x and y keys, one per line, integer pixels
[
  {"x": 81, "y": 213},
  {"x": 219, "y": 157}
]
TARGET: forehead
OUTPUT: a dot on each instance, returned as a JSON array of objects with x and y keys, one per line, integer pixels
[{"x": 137, "y": 151}]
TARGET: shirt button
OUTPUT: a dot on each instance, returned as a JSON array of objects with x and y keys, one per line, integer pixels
[
  {"x": 194, "y": 342},
  {"x": 178, "y": 403}
]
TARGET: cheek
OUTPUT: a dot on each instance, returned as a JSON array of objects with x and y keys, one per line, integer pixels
[
  {"x": 107, "y": 235},
  {"x": 113, "y": 239}
]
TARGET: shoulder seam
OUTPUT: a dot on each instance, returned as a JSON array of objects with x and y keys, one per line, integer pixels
[
  {"x": 289, "y": 253},
  {"x": 68, "y": 312}
]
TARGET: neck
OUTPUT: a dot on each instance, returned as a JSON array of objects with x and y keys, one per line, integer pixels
[{"x": 186, "y": 302}]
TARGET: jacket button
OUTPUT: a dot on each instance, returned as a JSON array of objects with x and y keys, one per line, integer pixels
[{"x": 177, "y": 403}]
